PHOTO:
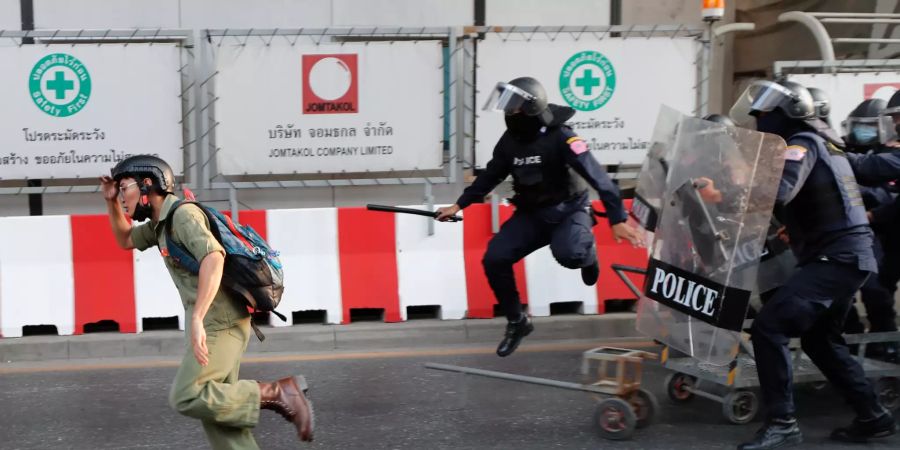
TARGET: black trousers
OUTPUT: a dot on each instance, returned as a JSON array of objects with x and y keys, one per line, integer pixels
[
  {"x": 568, "y": 234},
  {"x": 812, "y": 305}
]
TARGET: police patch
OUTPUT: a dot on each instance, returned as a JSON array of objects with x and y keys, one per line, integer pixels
[
  {"x": 577, "y": 145},
  {"x": 794, "y": 153}
]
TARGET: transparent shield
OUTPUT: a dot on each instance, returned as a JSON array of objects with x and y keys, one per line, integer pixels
[
  {"x": 719, "y": 195},
  {"x": 651, "y": 181}
]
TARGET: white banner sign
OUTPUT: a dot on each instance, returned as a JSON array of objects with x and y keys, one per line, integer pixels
[
  {"x": 615, "y": 85},
  {"x": 847, "y": 90},
  {"x": 74, "y": 111},
  {"x": 329, "y": 108}
]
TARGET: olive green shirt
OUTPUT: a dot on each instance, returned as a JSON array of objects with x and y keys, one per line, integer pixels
[{"x": 190, "y": 229}]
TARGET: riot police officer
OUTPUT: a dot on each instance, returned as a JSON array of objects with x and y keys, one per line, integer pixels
[
  {"x": 864, "y": 133},
  {"x": 538, "y": 150},
  {"x": 819, "y": 202}
]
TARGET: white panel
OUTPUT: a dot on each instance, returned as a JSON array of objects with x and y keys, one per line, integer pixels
[
  {"x": 37, "y": 285},
  {"x": 614, "y": 84},
  {"x": 155, "y": 294},
  {"x": 328, "y": 108},
  {"x": 257, "y": 14},
  {"x": 542, "y": 12},
  {"x": 62, "y": 115},
  {"x": 100, "y": 14},
  {"x": 426, "y": 263},
  {"x": 410, "y": 13},
  {"x": 10, "y": 17},
  {"x": 548, "y": 282},
  {"x": 308, "y": 242}
]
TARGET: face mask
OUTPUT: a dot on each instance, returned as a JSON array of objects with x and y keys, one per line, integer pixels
[
  {"x": 523, "y": 126},
  {"x": 863, "y": 134},
  {"x": 773, "y": 122}
]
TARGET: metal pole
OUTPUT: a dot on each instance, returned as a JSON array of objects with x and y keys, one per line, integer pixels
[
  {"x": 196, "y": 125},
  {"x": 429, "y": 204},
  {"x": 495, "y": 213},
  {"x": 705, "y": 68},
  {"x": 816, "y": 28},
  {"x": 512, "y": 377},
  {"x": 865, "y": 41},
  {"x": 205, "y": 91},
  {"x": 233, "y": 202}
]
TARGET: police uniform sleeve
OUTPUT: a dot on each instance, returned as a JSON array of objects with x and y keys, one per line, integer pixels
[
  {"x": 887, "y": 213},
  {"x": 580, "y": 159},
  {"x": 875, "y": 168},
  {"x": 142, "y": 236},
  {"x": 799, "y": 159},
  {"x": 190, "y": 227},
  {"x": 494, "y": 173}
]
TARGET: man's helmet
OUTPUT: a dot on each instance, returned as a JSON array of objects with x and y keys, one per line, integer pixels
[{"x": 147, "y": 166}]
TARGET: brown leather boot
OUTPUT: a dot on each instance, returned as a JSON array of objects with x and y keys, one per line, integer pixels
[{"x": 285, "y": 397}]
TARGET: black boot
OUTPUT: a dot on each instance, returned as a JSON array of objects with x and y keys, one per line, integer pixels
[
  {"x": 776, "y": 433},
  {"x": 515, "y": 331},
  {"x": 590, "y": 274},
  {"x": 862, "y": 430}
]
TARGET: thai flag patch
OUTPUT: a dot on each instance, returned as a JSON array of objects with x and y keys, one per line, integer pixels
[
  {"x": 577, "y": 145},
  {"x": 794, "y": 153}
]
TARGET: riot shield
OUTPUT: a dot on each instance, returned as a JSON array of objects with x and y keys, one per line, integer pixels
[
  {"x": 719, "y": 195},
  {"x": 651, "y": 182}
]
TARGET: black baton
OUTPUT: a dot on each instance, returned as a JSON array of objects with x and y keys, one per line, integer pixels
[{"x": 418, "y": 212}]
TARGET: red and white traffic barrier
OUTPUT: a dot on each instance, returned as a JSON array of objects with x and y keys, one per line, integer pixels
[{"x": 67, "y": 271}]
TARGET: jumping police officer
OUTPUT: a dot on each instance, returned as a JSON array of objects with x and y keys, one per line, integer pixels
[{"x": 540, "y": 152}]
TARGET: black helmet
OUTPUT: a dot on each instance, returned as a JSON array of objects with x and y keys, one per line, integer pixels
[
  {"x": 720, "y": 118},
  {"x": 893, "y": 105},
  {"x": 867, "y": 124},
  {"x": 147, "y": 166},
  {"x": 789, "y": 97},
  {"x": 870, "y": 108},
  {"x": 521, "y": 95},
  {"x": 821, "y": 102}
]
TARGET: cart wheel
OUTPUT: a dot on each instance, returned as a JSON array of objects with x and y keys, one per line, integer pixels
[
  {"x": 645, "y": 407},
  {"x": 740, "y": 406},
  {"x": 675, "y": 387},
  {"x": 615, "y": 419},
  {"x": 888, "y": 391}
]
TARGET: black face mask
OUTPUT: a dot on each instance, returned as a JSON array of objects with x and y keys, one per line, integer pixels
[
  {"x": 777, "y": 123},
  {"x": 523, "y": 126}
]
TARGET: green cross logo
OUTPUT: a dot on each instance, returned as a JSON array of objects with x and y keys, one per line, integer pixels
[
  {"x": 587, "y": 81},
  {"x": 60, "y": 85}
]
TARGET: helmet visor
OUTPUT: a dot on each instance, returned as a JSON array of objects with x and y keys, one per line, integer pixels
[
  {"x": 869, "y": 130},
  {"x": 760, "y": 96},
  {"x": 507, "y": 98}
]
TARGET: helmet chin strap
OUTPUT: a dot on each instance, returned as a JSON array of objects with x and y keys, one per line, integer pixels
[{"x": 143, "y": 210}]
